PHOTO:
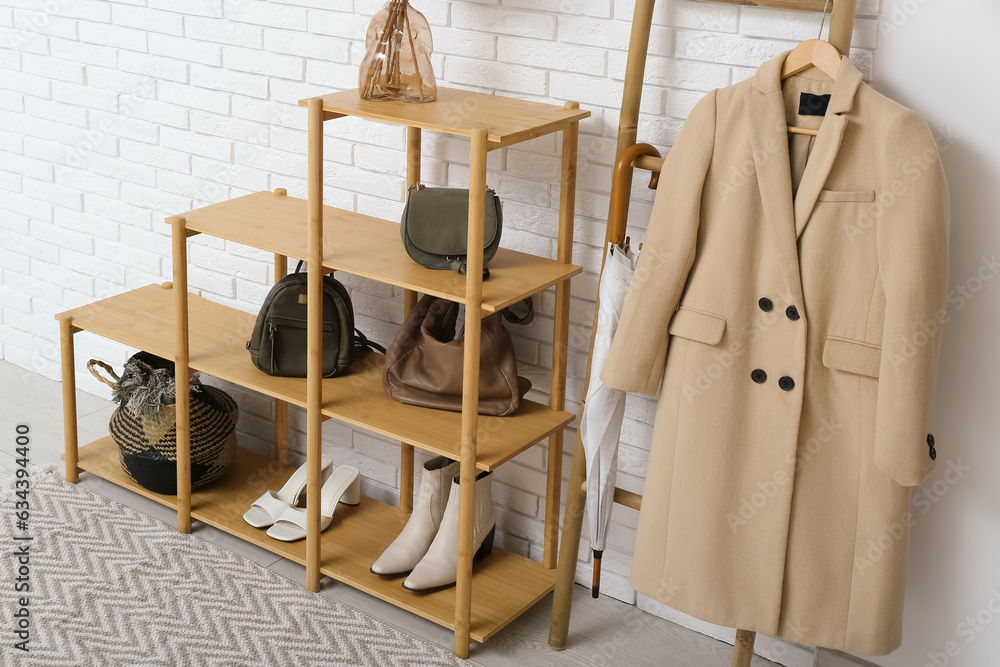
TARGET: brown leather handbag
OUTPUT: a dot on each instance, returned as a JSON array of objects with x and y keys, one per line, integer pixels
[{"x": 423, "y": 365}]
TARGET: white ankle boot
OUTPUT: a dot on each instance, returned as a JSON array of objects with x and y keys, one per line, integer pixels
[
  {"x": 411, "y": 544},
  {"x": 439, "y": 567}
]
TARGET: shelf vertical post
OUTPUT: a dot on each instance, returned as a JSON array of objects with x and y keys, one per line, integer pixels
[
  {"x": 743, "y": 648},
  {"x": 66, "y": 331},
  {"x": 470, "y": 390},
  {"x": 842, "y": 24},
  {"x": 314, "y": 345},
  {"x": 182, "y": 372},
  {"x": 560, "y": 335},
  {"x": 635, "y": 67},
  {"x": 628, "y": 123},
  {"x": 280, "y": 407},
  {"x": 409, "y": 302}
]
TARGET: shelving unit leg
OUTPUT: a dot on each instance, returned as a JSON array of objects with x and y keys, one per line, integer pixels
[
  {"x": 743, "y": 648},
  {"x": 281, "y": 431},
  {"x": 470, "y": 390},
  {"x": 66, "y": 331},
  {"x": 280, "y": 407},
  {"x": 314, "y": 344},
  {"x": 409, "y": 302},
  {"x": 182, "y": 373},
  {"x": 562, "y": 596},
  {"x": 557, "y": 401}
]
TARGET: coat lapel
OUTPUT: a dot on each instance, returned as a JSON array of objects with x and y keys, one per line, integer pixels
[
  {"x": 824, "y": 152},
  {"x": 769, "y": 141},
  {"x": 765, "y": 108}
]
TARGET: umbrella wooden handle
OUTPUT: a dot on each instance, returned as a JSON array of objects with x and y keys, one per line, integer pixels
[
  {"x": 619, "y": 187},
  {"x": 595, "y": 586}
]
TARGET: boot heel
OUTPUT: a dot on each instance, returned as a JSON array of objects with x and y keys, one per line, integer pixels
[
  {"x": 487, "y": 546},
  {"x": 352, "y": 494}
]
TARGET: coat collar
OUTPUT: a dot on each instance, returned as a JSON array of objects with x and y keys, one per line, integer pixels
[{"x": 769, "y": 139}]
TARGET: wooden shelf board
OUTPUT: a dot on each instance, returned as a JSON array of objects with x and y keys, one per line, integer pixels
[
  {"x": 798, "y": 5},
  {"x": 370, "y": 247},
  {"x": 507, "y": 120},
  {"x": 143, "y": 319},
  {"x": 504, "y": 585}
]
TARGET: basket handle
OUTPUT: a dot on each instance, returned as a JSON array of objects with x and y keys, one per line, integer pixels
[{"x": 107, "y": 367}]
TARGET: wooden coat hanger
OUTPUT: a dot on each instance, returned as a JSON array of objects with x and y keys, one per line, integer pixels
[{"x": 817, "y": 53}]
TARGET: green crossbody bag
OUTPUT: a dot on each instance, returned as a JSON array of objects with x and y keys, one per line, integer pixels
[{"x": 435, "y": 227}]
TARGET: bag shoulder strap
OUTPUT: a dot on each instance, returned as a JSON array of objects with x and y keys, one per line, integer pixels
[
  {"x": 361, "y": 343},
  {"x": 509, "y": 315}
]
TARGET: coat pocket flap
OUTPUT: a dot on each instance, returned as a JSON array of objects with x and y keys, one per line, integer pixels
[
  {"x": 852, "y": 356},
  {"x": 697, "y": 325},
  {"x": 847, "y": 195}
]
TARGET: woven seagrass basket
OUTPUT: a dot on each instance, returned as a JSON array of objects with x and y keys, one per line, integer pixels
[{"x": 145, "y": 424}]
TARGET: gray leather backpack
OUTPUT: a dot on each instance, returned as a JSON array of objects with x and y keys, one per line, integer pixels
[
  {"x": 435, "y": 227},
  {"x": 278, "y": 343}
]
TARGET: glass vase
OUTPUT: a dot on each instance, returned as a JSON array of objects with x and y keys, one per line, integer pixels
[{"x": 397, "y": 64}]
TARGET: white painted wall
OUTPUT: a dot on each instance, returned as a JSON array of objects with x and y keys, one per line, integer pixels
[
  {"x": 114, "y": 114},
  {"x": 940, "y": 58}
]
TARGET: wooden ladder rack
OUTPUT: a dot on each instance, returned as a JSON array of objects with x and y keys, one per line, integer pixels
[{"x": 630, "y": 155}]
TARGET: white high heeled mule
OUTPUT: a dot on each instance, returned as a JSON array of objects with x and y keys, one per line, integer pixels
[
  {"x": 344, "y": 485},
  {"x": 265, "y": 510}
]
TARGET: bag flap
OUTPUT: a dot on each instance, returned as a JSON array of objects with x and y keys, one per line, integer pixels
[
  {"x": 435, "y": 220},
  {"x": 852, "y": 356},
  {"x": 697, "y": 325}
]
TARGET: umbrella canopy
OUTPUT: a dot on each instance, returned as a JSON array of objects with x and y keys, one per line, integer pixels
[{"x": 604, "y": 408}]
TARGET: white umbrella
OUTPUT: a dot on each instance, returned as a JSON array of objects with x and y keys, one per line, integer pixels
[{"x": 604, "y": 408}]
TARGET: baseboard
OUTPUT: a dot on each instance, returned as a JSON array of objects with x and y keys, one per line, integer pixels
[{"x": 829, "y": 658}]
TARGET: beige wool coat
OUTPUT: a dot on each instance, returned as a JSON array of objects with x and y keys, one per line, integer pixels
[{"x": 795, "y": 344}]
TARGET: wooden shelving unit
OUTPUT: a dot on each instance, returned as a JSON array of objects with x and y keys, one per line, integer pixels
[
  {"x": 143, "y": 318},
  {"x": 277, "y": 223},
  {"x": 200, "y": 335},
  {"x": 361, "y": 534}
]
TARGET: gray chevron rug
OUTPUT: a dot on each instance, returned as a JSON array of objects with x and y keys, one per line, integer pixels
[{"x": 112, "y": 586}]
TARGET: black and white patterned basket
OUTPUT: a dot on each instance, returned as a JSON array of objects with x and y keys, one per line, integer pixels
[{"x": 145, "y": 424}]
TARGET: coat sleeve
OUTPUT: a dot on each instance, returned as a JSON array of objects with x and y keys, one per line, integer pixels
[
  {"x": 639, "y": 350},
  {"x": 913, "y": 227}
]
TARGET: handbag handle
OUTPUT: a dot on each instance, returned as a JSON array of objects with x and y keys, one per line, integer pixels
[
  {"x": 509, "y": 315},
  {"x": 93, "y": 371},
  {"x": 361, "y": 343}
]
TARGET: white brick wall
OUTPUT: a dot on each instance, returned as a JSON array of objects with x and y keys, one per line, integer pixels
[{"x": 115, "y": 114}]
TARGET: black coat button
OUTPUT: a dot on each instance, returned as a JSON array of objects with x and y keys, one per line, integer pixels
[
  {"x": 930, "y": 440},
  {"x": 758, "y": 376},
  {"x": 786, "y": 383},
  {"x": 765, "y": 304},
  {"x": 933, "y": 453},
  {"x": 792, "y": 312}
]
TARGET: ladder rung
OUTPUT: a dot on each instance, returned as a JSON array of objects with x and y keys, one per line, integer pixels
[{"x": 622, "y": 497}]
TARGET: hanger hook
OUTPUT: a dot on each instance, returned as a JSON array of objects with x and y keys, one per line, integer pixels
[{"x": 823, "y": 20}]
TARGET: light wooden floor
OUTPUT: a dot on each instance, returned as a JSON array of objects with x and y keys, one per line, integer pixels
[{"x": 603, "y": 632}]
